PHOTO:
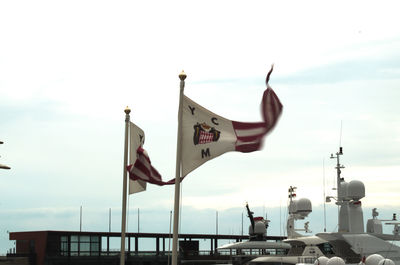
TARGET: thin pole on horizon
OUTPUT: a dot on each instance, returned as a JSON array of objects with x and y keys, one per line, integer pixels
[
  {"x": 109, "y": 220},
  {"x": 169, "y": 237},
  {"x": 264, "y": 210},
  {"x": 216, "y": 223},
  {"x": 242, "y": 223},
  {"x": 280, "y": 217},
  {"x": 323, "y": 183},
  {"x": 80, "y": 219},
  {"x": 138, "y": 220},
  {"x": 124, "y": 187},
  {"x": 182, "y": 77}
]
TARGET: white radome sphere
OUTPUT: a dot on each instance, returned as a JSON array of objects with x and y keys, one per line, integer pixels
[
  {"x": 303, "y": 207},
  {"x": 355, "y": 190},
  {"x": 386, "y": 262},
  {"x": 321, "y": 261},
  {"x": 373, "y": 259},
  {"x": 335, "y": 261},
  {"x": 259, "y": 228}
]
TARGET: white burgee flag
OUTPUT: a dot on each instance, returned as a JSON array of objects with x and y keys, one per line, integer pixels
[{"x": 206, "y": 135}]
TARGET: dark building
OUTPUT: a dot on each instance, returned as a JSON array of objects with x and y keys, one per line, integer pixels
[{"x": 75, "y": 248}]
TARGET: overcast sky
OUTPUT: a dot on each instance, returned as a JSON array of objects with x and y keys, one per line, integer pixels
[{"x": 68, "y": 69}]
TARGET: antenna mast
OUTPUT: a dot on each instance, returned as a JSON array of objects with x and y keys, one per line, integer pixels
[
  {"x": 339, "y": 199},
  {"x": 338, "y": 171},
  {"x": 323, "y": 166}
]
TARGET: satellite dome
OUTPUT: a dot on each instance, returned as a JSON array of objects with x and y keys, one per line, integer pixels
[
  {"x": 303, "y": 207},
  {"x": 259, "y": 228},
  {"x": 386, "y": 262},
  {"x": 335, "y": 261},
  {"x": 373, "y": 259},
  {"x": 355, "y": 190},
  {"x": 321, "y": 261}
]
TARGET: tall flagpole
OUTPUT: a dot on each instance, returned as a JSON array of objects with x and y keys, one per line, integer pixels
[
  {"x": 182, "y": 77},
  {"x": 124, "y": 187}
]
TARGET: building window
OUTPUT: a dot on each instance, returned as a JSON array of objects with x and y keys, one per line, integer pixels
[
  {"x": 74, "y": 245},
  {"x": 82, "y": 245},
  {"x": 94, "y": 245},
  {"x": 64, "y": 246}
]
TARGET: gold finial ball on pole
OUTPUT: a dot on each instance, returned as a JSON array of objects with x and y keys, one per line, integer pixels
[
  {"x": 127, "y": 110},
  {"x": 182, "y": 75}
]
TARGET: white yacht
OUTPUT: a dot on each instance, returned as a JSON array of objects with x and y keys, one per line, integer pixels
[{"x": 351, "y": 244}]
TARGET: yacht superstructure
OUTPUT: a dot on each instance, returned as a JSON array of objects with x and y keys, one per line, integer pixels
[{"x": 351, "y": 243}]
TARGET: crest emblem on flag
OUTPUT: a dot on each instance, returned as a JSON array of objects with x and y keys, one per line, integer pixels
[{"x": 204, "y": 133}]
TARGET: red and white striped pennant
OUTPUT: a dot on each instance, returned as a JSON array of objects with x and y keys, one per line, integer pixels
[
  {"x": 250, "y": 135},
  {"x": 143, "y": 170}
]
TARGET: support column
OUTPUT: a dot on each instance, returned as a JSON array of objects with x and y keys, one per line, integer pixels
[
  {"x": 157, "y": 246},
  {"x": 136, "y": 245},
  {"x": 108, "y": 245}
]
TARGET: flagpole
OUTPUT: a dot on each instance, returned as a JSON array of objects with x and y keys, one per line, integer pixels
[
  {"x": 182, "y": 77},
  {"x": 124, "y": 187}
]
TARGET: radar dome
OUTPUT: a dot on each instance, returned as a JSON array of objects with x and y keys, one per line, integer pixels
[
  {"x": 259, "y": 228},
  {"x": 335, "y": 261},
  {"x": 355, "y": 190},
  {"x": 321, "y": 261},
  {"x": 386, "y": 262},
  {"x": 373, "y": 259},
  {"x": 303, "y": 207}
]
